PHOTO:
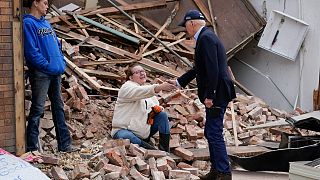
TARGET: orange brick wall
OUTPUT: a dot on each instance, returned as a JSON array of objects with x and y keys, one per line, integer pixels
[{"x": 7, "y": 120}]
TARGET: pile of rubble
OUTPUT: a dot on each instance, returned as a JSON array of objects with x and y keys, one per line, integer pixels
[{"x": 107, "y": 43}]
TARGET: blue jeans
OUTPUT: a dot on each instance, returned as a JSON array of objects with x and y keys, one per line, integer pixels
[
  {"x": 41, "y": 86},
  {"x": 161, "y": 124},
  {"x": 214, "y": 133}
]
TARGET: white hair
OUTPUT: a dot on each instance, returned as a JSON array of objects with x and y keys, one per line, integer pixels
[{"x": 200, "y": 22}]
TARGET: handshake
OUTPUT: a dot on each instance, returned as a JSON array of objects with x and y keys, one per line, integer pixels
[{"x": 169, "y": 85}]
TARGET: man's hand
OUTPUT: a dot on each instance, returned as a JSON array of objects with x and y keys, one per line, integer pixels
[
  {"x": 165, "y": 87},
  {"x": 172, "y": 81},
  {"x": 208, "y": 103}
]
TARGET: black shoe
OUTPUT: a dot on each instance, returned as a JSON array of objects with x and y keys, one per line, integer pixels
[
  {"x": 212, "y": 175},
  {"x": 164, "y": 142},
  {"x": 70, "y": 149},
  {"x": 147, "y": 145}
]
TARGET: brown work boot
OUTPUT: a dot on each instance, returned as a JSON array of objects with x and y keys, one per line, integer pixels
[
  {"x": 224, "y": 176},
  {"x": 212, "y": 175}
]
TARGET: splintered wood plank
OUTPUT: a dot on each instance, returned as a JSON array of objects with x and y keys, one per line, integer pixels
[
  {"x": 146, "y": 62},
  {"x": 156, "y": 35},
  {"x": 18, "y": 70},
  {"x": 110, "y": 10},
  {"x": 80, "y": 25},
  {"x": 94, "y": 84},
  {"x": 130, "y": 7},
  {"x": 102, "y": 74},
  {"x": 212, "y": 18},
  {"x": 154, "y": 24},
  {"x": 161, "y": 48},
  {"x": 203, "y": 9},
  {"x": 122, "y": 27},
  {"x": 159, "y": 67},
  {"x": 101, "y": 45}
]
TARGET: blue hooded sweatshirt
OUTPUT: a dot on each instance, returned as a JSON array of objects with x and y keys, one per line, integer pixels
[{"x": 42, "y": 49}]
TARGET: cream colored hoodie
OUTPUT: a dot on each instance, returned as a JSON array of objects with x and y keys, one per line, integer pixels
[{"x": 132, "y": 107}]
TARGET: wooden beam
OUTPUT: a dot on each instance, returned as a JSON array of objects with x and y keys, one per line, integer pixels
[
  {"x": 18, "y": 68},
  {"x": 86, "y": 77},
  {"x": 115, "y": 61},
  {"x": 110, "y": 30},
  {"x": 234, "y": 125},
  {"x": 122, "y": 27},
  {"x": 165, "y": 31},
  {"x": 146, "y": 62},
  {"x": 213, "y": 20},
  {"x": 136, "y": 27},
  {"x": 101, "y": 45},
  {"x": 80, "y": 25},
  {"x": 112, "y": 10},
  {"x": 159, "y": 67},
  {"x": 161, "y": 48},
  {"x": 64, "y": 19},
  {"x": 203, "y": 9},
  {"x": 157, "y": 34},
  {"x": 154, "y": 24},
  {"x": 102, "y": 74}
]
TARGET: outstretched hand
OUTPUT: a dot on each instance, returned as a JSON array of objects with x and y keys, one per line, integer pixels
[
  {"x": 165, "y": 86},
  {"x": 172, "y": 81}
]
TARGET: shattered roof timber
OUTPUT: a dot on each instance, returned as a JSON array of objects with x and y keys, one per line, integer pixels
[{"x": 236, "y": 20}]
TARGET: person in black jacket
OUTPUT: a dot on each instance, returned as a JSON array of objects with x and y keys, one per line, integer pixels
[{"x": 215, "y": 89}]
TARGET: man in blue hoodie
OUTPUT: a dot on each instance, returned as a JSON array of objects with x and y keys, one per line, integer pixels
[{"x": 45, "y": 61}]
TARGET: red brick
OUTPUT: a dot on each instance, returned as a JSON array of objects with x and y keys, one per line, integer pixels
[
  {"x": 4, "y": 81},
  {"x": 9, "y": 108},
  {"x": 8, "y": 101},
  {"x": 58, "y": 173},
  {"x": 5, "y": 45},
  {"x": 1, "y": 122},
  {"x": 173, "y": 174},
  {"x": 5, "y": 38},
  {"x": 8, "y": 129},
  {"x": 101, "y": 164},
  {"x": 5, "y": 25},
  {"x": 9, "y": 115},
  {"x": 137, "y": 174},
  {"x": 81, "y": 171},
  {"x": 6, "y": 11},
  {"x": 8, "y": 87},
  {"x": 1, "y": 143},
  {"x": 5, "y": 4},
  {"x": 8, "y": 122},
  {"x": 115, "y": 158},
  {"x": 8, "y": 94},
  {"x": 184, "y": 153},
  {"x": 154, "y": 153},
  {"x": 6, "y": 67},
  {"x": 9, "y": 142},
  {"x": 5, "y": 52},
  {"x": 10, "y": 135},
  {"x": 5, "y": 17},
  {"x": 5, "y": 74}
]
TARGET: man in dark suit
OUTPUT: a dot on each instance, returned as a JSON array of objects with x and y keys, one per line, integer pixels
[{"x": 215, "y": 89}]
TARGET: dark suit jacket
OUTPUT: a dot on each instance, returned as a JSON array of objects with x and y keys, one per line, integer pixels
[{"x": 210, "y": 70}]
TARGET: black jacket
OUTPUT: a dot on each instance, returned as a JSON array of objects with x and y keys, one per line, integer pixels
[{"x": 210, "y": 70}]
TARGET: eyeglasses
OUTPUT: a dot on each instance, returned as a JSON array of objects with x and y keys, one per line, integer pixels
[{"x": 139, "y": 72}]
